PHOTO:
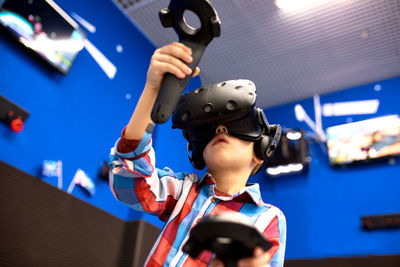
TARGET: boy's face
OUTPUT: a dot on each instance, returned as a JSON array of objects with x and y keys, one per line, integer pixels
[{"x": 225, "y": 151}]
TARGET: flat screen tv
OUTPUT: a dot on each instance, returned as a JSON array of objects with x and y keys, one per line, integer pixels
[
  {"x": 44, "y": 28},
  {"x": 364, "y": 141}
]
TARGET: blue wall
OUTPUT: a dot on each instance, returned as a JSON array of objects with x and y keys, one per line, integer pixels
[
  {"x": 76, "y": 118},
  {"x": 323, "y": 208}
]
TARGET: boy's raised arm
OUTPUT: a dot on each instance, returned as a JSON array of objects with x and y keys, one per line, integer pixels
[{"x": 171, "y": 58}]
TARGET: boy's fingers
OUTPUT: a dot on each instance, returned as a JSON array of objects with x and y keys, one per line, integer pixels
[
  {"x": 184, "y": 47},
  {"x": 172, "y": 58},
  {"x": 165, "y": 58},
  {"x": 258, "y": 252},
  {"x": 216, "y": 263},
  {"x": 177, "y": 50},
  {"x": 260, "y": 258},
  {"x": 171, "y": 69},
  {"x": 269, "y": 255}
]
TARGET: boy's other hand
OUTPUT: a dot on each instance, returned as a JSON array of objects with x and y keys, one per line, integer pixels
[
  {"x": 260, "y": 258},
  {"x": 172, "y": 58}
]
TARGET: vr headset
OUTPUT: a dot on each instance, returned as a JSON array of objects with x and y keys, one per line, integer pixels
[{"x": 232, "y": 104}]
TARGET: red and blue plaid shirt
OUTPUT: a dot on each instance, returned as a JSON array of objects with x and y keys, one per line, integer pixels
[{"x": 181, "y": 200}]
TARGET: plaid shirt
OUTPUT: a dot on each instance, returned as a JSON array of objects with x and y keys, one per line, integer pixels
[{"x": 181, "y": 200}]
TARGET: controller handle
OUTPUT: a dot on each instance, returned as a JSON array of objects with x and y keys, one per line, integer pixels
[
  {"x": 173, "y": 87},
  {"x": 197, "y": 39}
]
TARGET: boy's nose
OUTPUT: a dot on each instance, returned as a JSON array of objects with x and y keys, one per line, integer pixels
[{"x": 221, "y": 129}]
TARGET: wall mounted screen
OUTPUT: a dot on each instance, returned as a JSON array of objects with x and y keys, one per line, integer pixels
[
  {"x": 43, "y": 27},
  {"x": 365, "y": 140}
]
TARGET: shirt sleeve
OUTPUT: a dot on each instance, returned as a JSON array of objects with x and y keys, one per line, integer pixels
[
  {"x": 135, "y": 181},
  {"x": 274, "y": 224}
]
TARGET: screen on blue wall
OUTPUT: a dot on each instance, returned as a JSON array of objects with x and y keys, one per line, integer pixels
[
  {"x": 365, "y": 140},
  {"x": 43, "y": 27}
]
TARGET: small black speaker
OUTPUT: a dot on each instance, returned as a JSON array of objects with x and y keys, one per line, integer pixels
[{"x": 291, "y": 155}]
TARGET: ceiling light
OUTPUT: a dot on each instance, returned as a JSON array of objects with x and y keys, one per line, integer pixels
[
  {"x": 297, "y": 4},
  {"x": 365, "y": 34},
  {"x": 350, "y": 108}
]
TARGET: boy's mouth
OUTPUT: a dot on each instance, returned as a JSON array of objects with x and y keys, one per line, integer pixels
[{"x": 220, "y": 139}]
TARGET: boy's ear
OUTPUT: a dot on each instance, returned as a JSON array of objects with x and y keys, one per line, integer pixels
[
  {"x": 256, "y": 159},
  {"x": 258, "y": 165}
]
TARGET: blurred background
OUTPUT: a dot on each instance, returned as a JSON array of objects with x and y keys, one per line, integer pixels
[{"x": 327, "y": 71}]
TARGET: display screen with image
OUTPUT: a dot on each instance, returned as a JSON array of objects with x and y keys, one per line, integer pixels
[
  {"x": 364, "y": 140},
  {"x": 43, "y": 27}
]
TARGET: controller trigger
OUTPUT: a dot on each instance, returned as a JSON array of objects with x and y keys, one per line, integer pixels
[
  {"x": 166, "y": 18},
  {"x": 216, "y": 27}
]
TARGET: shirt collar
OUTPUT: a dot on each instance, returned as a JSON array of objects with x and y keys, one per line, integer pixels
[{"x": 252, "y": 190}]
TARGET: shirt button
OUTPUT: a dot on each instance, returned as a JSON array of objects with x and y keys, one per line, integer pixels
[{"x": 213, "y": 199}]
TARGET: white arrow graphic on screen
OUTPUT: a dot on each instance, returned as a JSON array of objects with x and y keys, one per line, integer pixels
[
  {"x": 90, "y": 27},
  {"x": 105, "y": 64}
]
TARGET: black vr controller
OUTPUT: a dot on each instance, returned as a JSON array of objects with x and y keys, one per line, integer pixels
[
  {"x": 231, "y": 236},
  {"x": 197, "y": 39}
]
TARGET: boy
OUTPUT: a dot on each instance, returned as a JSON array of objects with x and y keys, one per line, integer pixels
[{"x": 181, "y": 199}]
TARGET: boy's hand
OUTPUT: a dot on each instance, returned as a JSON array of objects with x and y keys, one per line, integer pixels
[
  {"x": 260, "y": 258},
  {"x": 171, "y": 58}
]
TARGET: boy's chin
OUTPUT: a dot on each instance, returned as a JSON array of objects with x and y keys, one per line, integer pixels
[
  {"x": 215, "y": 167},
  {"x": 220, "y": 165}
]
